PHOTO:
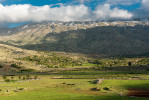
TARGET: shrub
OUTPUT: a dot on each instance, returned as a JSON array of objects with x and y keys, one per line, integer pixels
[
  {"x": 28, "y": 76},
  {"x": 24, "y": 78},
  {"x": 129, "y": 64},
  {"x": 36, "y": 77},
  {"x": 27, "y": 70},
  {"x": 19, "y": 77},
  {"x": 12, "y": 78},
  {"x": 4, "y": 77},
  {"x": 21, "y": 89},
  {"x": 106, "y": 88},
  {"x": 50, "y": 66},
  {"x": 1, "y": 66},
  {"x": 15, "y": 66},
  {"x": 95, "y": 89},
  {"x": 7, "y": 80}
]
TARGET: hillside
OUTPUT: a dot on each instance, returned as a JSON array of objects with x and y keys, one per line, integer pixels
[
  {"x": 99, "y": 38},
  {"x": 16, "y": 59}
]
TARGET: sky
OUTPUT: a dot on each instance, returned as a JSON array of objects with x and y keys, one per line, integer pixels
[{"x": 17, "y": 12}]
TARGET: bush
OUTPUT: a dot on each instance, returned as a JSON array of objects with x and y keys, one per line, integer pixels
[
  {"x": 4, "y": 77},
  {"x": 27, "y": 70},
  {"x": 129, "y": 64},
  {"x": 1, "y": 66},
  {"x": 95, "y": 89},
  {"x": 36, "y": 77},
  {"x": 21, "y": 89},
  {"x": 50, "y": 66},
  {"x": 15, "y": 66},
  {"x": 19, "y": 77},
  {"x": 12, "y": 78},
  {"x": 106, "y": 88},
  {"x": 24, "y": 78},
  {"x": 7, "y": 80},
  {"x": 28, "y": 77}
]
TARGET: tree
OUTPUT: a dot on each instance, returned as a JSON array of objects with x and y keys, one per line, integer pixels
[{"x": 129, "y": 64}]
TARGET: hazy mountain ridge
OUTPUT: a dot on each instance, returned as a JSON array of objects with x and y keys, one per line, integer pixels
[{"x": 101, "y": 38}]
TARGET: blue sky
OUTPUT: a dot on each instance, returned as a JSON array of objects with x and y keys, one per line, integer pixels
[
  {"x": 17, "y": 12},
  {"x": 90, "y": 3}
]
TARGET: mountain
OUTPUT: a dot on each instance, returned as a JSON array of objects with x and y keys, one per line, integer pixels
[{"x": 124, "y": 38}]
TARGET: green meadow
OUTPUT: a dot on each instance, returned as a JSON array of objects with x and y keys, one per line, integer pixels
[{"x": 73, "y": 86}]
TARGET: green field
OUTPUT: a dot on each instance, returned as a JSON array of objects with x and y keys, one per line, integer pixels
[{"x": 59, "y": 86}]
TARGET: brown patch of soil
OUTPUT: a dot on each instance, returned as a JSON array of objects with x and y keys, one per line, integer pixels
[{"x": 142, "y": 92}]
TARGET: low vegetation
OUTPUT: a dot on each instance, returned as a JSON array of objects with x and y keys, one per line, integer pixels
[{"x": 32, "y": 75}]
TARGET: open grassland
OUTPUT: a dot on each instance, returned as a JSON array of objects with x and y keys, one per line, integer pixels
[
  {"x": 45, "y": 88},
  {"x": 82, "y": 84}
]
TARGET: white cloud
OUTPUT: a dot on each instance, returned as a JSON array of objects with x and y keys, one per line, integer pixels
[
  {"x": 83, "y": 1},
  {"x": 21, "y": 13},
  {"x": 143, "y": 11},
  {"x": 145, "y": 5},
  {"x": 122, "y": 2},
  {"x": 26, "y": 12},
  {"x": 104, "y": 12}
]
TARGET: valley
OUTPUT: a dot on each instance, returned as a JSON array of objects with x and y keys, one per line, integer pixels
[{"x": 75, "y": 61}]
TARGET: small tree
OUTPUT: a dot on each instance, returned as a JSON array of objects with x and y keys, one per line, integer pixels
[{"x": 129, "y": 64}]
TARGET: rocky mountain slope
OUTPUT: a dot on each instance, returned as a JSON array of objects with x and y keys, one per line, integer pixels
[{"x": 97, "y": 38}]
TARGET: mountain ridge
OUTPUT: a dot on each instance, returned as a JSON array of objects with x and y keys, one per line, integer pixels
[{"x": 98, "y": 38}]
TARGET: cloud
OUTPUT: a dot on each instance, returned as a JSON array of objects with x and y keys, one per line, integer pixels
[
  {"x": 122, "y": 2},
  {"x": 104, "y": 12},
  {"x": 145, "y": 5},
  {"x": 143, "y": 11},
  {"x": 26, "y": 12},
  {"x": 83, "y": 1}
]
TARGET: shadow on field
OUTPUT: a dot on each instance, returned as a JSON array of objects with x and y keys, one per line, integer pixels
[
  {"x": 139, "y": 90},
  {"x": 108, "y": 98}
]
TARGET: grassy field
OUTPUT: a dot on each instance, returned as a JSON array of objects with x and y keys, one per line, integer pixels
[{"x": 48, "y": 88}]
